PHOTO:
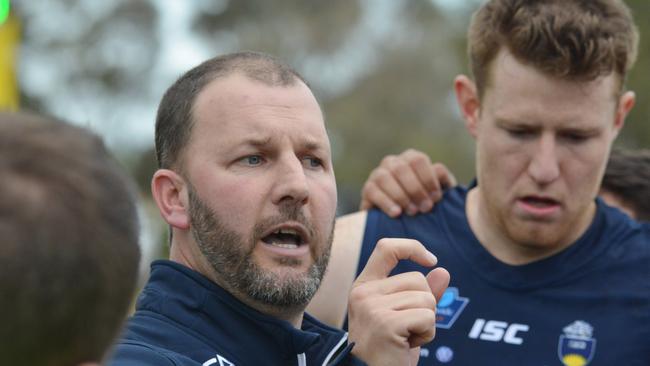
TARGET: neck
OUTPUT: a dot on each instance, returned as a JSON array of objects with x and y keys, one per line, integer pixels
[
  {"x": 494, "y": 237},
  {"x": 293, "y": 316}
]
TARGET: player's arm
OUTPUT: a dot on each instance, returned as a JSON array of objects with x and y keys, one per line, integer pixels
[
  {"x": 407, "y": 182},
  {"x": 330, "y": 304}
]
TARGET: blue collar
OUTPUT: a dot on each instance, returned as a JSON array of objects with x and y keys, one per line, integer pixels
[{"x": 187, "y": 297}]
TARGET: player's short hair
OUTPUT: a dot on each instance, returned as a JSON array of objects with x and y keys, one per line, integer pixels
[
  {"x": 568, "y": 39},
  {"x": 69, "y": 254},
  {"x": 628, "y": 177}
]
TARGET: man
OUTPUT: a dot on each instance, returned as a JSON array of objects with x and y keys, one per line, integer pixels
[
  {"x": 247, "y": 187},
  {"x": 542, "y": 272},
  {"x": 69, "y": 254}
]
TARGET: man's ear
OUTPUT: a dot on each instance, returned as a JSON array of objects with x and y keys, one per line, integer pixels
[
  {"x": 625, "y": 105},
  {"x": 468, "y": 102},
  {"x": 170, "y": 193}
]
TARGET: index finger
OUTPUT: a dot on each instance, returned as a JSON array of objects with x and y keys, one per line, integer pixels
[{"x": 388, "y": 252}]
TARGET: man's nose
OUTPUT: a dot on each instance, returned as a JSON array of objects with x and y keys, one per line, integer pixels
[
  {"x": 544, "y": 165},
  {"x": 291, "y": 182}
]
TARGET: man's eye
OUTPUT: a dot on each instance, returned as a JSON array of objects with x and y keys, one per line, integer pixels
[
  {"x": 313, "y": 162},
  {"x": 520, "y": 133},
  {"x": 575, "y": 138},
  {"x": 252, "y": 160}
]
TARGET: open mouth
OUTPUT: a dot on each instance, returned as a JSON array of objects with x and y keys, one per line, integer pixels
[
  {"x": 285, "y": 238},
  {"x": 539, "y": 202}
]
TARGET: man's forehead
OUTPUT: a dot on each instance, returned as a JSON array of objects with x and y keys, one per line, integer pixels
[
  {"x": 517, "y": 88},
  {"x": 266, "y": 139},
  {"x": 238, "y": 86},
  {"x": 250, "y": 112},
  {"x": 507, "y": 71}
]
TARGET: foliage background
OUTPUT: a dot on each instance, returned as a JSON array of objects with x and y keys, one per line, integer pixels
[{"x": 383, "y": 70}]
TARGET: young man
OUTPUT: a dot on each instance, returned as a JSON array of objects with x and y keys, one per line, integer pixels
[
  {"x": 247, "y": 186},
  {"x": 69, "y": 254},
  {"x": 542, "y": 272}
]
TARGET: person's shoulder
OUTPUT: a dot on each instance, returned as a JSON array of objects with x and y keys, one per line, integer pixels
[
  {"x": 329, "y": 304},
  {"x": 645, "y": 235},
  {"x": 645, "y": 230},
  {"x": 624, "y": 227},
  {"x": 132, "y": 353},
  {"x": 627, "y": 237},
  {"x": 351, "y": 221}
]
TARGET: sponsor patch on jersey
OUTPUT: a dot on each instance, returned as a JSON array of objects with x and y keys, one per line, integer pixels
[
  {"x": 576, "y": 346},
  {"x": 449, "y": 308}
]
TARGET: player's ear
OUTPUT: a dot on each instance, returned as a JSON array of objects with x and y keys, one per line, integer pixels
[
  {"x": 625, "y": 104},
  {"x": 468, "y": 102},
  {"x": 170, "y": 193}
]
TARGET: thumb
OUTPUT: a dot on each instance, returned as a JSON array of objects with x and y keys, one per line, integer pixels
[{"x": 414, "y": 355}]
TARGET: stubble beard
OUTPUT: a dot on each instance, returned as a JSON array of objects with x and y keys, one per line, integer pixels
[{"x": 231, "y": 257}]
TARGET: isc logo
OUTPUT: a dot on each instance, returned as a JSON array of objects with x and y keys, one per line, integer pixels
[{"x": 496, "y": 331}]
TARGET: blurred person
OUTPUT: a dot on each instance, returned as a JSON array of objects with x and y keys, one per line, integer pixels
[
  {"x": 246, "y": 184},
  {"x": 542, "y": 271},
  {"x": 69, "y": 254},
  {"x": 626, "y": 183}
]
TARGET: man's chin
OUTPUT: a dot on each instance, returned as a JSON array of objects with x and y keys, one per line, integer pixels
[
  {"x": 282, "y": 265},
  {"x": 543, "y": 236},
  {"x": 284, "y": 287},
  {"x": 284, "y": 274}
]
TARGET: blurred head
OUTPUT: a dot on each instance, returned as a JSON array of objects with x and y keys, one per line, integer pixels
[
  {"x": 247, "y": 183},
  {"x": 626, "y": 183},
  {"x": 544, "y": 110},
  {"x": 69, "y": 253}
]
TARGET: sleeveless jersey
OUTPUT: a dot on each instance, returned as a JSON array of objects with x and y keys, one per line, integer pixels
[{"x": 587, "y": 305}]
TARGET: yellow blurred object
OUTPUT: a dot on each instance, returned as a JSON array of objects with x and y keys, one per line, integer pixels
[
  {"x": 574, "y": 360},
  {"x": 9, "y": 42}
]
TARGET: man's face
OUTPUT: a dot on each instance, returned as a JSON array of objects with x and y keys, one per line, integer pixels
[
  {"x": 542, "y": 147},
  {"x": 261, "y": 188}
]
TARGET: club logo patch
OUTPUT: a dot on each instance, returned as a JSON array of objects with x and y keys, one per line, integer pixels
[
  {"x": 449, "y": 308},
  {"x": 576, "y": 346}
]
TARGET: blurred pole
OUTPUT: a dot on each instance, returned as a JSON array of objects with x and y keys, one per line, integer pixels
[{"x": 9, "y": 43}]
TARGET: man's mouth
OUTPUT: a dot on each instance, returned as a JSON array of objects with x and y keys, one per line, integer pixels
[
  {"x": 539, "y": 202},
  {"x": 284, "y": 238},
  {"x": 539, "y": 206}
]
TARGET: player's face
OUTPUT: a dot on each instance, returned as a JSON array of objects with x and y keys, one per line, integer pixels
[
  {"x": 262, "y": 194},
  {"x": 542, "y": 147}
]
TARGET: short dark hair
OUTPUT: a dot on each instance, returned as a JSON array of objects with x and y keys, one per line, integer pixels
[
  {"x": 69, "y": 255},
  {"x": 569, "y": 39},
  {"x": 175, "y": 120},
  {"x": 628, "y": 177}
]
